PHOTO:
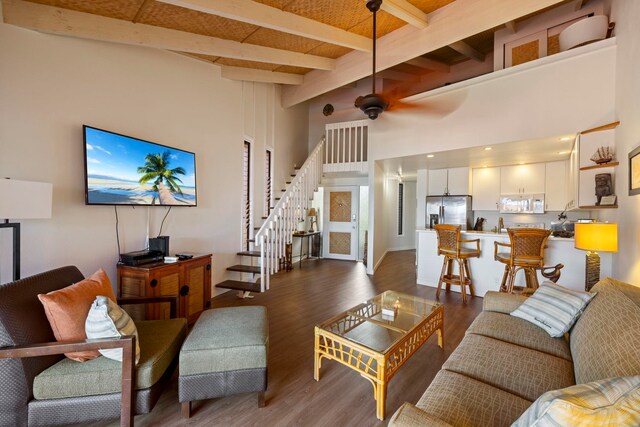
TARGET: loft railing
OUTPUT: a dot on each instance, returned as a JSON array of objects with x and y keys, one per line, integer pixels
[
  {"x": 283, "y": 219},
  {"x": 346, "y": 146}
]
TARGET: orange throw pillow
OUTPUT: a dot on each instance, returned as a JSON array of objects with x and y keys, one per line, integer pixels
[{"x": 67, "y": 310}]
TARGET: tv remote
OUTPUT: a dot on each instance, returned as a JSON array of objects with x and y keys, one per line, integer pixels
[{"x": 184, "y": 256}]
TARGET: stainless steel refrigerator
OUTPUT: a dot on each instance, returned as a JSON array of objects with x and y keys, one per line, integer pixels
[{"x": 454, "y": 210}]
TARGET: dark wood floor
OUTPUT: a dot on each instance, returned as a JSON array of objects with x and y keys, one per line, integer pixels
[{"x": 296, "y": 302}]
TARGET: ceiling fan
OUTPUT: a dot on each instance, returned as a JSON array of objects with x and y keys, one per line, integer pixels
[{"x": 374, "y": 103}]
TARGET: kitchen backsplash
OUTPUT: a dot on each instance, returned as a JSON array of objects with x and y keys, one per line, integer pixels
[{"x": 491, "y": 218}]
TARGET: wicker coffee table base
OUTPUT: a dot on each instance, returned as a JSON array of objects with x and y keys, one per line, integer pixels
[{"x": 376, "y": 367}]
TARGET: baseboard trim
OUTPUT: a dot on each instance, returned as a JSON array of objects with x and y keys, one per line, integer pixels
[
  {"x": 401, "y": 248},
  {"x": 375, "y": 267}
]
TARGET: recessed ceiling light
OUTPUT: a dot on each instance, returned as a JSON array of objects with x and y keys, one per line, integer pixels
[
  {"x": 487, "y": 148},
  {"x": 431, "y": 156},
  {"x": 566, "y": 138},
  {"x": 563, "y": 152}
]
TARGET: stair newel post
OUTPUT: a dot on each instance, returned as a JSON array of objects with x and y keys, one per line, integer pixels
[
  {"x": 263, "y": 276},
  {"x": 278, "y": 228}
]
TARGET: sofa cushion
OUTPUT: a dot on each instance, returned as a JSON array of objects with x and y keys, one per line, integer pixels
[
  {"x": 524, "y": 372},
  {"x": 611, "y": 402},
  {"x": 160, "y": 342},
  {"x": 519, "y": 332},
  {"x": 502, "y": 302},
  {"x": 226, "y": 339},
  {"x": 605, "y": 342},
  {"x": 463, "y": 401},
  {"x": 554, "y": 308},
  {"x": 67, "y": 310}
]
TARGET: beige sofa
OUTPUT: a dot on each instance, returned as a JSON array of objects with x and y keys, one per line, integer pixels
[{"x": 505, "y": 363}]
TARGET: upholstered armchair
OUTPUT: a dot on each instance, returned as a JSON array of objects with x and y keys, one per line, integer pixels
[{"x": 41, "y": 387}]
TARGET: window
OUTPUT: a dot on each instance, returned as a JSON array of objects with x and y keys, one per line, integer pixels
[
  {"x": 400, "y": 208},
  {"x": 267, "y": 182},
  {"x": 246, "y": 195}
]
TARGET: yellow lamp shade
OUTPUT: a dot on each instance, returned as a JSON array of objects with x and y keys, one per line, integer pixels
[
  {"x": 597, "y": 237},
  {"x": 312, "y": 212}
]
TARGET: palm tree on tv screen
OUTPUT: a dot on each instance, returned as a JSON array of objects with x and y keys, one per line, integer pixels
[{"x": 156, "y": 169}]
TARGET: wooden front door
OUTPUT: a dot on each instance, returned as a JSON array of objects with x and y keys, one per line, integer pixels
[{"x": 340, "y": 228}]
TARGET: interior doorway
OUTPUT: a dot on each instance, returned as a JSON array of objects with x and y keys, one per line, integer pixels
[{"x": 340, "y": 222}]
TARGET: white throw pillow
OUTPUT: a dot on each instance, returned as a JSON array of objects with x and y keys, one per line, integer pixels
[
  {"x": 107, "y": 320},
  {"x": 553, "y": 308},
  {"x": 610, "y": 402}
]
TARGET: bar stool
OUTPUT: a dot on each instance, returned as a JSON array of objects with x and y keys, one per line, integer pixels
[
  {"x": 526, "y": 253},
  {"x": 449, "y": 245}
]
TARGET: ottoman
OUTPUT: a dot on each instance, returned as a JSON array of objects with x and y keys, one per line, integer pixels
[{"x": 225, "y": 354}]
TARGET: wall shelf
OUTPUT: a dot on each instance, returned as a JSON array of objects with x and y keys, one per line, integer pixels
[
  {"x": 599, "y": 207},
  {"x": 604, "y": 165}
]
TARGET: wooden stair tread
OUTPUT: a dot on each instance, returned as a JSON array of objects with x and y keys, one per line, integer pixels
[
  {"x": 245, "y": 268},
  {"x": 249, "y": 253},
  {"x": 237, "y": 285}
]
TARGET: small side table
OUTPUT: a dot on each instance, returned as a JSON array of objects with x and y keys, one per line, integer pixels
[{"x": 302, "y": 236}]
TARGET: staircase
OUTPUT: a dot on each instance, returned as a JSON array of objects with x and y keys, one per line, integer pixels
[
  {"x": 343, "y": 150},
  {"x": 277, "y": 228}
]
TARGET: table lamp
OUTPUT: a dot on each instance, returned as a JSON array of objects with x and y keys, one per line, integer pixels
[
  {"x": 23, "y": 200},
  {"x": 593, "y": 237},
  {"x": 313, "y": 218}
]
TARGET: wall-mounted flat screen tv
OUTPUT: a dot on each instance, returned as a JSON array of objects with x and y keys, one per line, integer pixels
[{"x": 121, "y": 170}]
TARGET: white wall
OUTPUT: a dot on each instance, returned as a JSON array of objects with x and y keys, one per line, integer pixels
[
  {"x": 560, "y": 94},
  {"x": 377, "y": 216},
  {"x": 407, "y": 240},
  {"x": 51, "y": 85},
  {"x": 626, "y": 14}
]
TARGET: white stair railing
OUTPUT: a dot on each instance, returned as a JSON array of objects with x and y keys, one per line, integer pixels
[
  {"x": 346, "y": 146},
  {"x": 278, "y": 228}
]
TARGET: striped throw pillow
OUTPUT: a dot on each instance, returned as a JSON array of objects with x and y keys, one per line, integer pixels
[
  {"x": 107, "y": 320},
  {"x": 554, "y": 308},
  {"x": 607, "y": 403}
]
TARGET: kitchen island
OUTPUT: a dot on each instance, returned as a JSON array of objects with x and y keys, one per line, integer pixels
[{"x": 487, "y": 273}]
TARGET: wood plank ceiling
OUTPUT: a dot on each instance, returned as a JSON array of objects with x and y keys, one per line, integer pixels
[{"x": 264, "y": 41}]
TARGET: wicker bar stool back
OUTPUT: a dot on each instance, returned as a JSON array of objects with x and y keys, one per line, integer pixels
[
  {"x": 450, "y": 245},
  {"x": 526, "y": 253}
]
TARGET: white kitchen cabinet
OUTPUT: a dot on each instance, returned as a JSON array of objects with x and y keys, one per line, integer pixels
[
  {"x": 556, "y": 186},
  {"x": 522, "y": 179},
  {"x": 454, "y": 181},
  {"x": 458, "y": 182},
  {"x": 485, "y": 186},
  {"x": 437, "y": 183}
]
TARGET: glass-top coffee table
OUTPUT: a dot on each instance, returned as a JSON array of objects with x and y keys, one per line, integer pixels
[{"x": 376, "y": 342}]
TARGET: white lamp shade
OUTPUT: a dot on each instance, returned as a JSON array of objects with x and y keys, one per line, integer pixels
[
  {"x": 584, "y": 31},
  {"x": 25, "y": 199}
]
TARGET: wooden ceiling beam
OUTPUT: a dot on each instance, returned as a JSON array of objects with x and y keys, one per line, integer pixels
[
  {"x": 264, "y": 76},
  {"x": 407, "y": 12},
  {"x": 457, "y": 21},
  {"x": 511, "y": 26},
  {"x": 429, "y": 64},
  {"x": 270, "y": 17},
  {"x": 468, "y": 51},
  {"x": 66, "y": 22},
  {"x": 396, "y": 75}
]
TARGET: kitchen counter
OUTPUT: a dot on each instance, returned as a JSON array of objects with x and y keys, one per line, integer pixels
[
  {"x": 490, "y": 233},
  {"x": 487, "y": 273}
]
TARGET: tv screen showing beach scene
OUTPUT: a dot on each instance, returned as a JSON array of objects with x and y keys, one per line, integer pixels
[{"x": 121, "y": 170}]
